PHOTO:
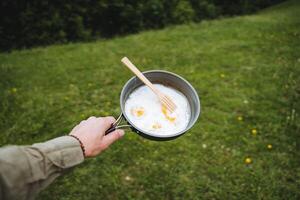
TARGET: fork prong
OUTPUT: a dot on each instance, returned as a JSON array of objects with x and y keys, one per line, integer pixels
[
  {"x": 170, "y": 102},
  {"x": 166, "y": 104},
  {"x": 169, "y": 106}
]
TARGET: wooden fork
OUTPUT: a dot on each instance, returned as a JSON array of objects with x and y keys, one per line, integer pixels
[{"x": 163, "y": 98}]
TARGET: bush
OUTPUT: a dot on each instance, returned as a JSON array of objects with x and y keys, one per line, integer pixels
[
  {"x": 205, "y": 9},
  {"x": 34, "y": 22},
  {"x": 183, "y": 12}
]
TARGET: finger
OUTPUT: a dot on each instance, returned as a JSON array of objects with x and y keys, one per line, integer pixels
[
  {"x": 75, "y": 128},
  {"x": 112, "y": 137},
  {"x": 82, "y": 122},
  {"x": 91, "y": 117},
  {"x": 108, "y": 121}
]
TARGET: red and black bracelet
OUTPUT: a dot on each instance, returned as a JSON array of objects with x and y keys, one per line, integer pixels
[{"x": 81, "y": 145}]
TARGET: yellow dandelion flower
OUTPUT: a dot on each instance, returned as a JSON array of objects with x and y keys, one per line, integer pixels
[
  {"x": 248, "y": 160},
  {"x": 240, "y": 118},
  {"x": 14, "y": 90},
  {"x": 254, "y": 132},
  {"x": 269, "y": 146},
  {"x": 222, "y": 75},
  {"x": 128, "y": 178}
]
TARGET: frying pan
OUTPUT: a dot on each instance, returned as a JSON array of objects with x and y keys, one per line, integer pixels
[{"x": 168, "y": 79}]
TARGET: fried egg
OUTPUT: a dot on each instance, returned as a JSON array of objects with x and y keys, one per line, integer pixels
[
  {"x": 145, "y": 111},
  {"x": 137, "y": 111}
]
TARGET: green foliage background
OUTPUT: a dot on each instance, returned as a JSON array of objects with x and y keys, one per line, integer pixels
[
  {"x": 42, "y": 22},
  {"x": 245, "y": 67}
]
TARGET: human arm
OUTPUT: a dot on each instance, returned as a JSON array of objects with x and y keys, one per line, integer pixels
[{"x": 26, "y": 170}]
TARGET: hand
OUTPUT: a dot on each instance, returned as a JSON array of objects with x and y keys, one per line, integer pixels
[{"x": 91, "y": 133}]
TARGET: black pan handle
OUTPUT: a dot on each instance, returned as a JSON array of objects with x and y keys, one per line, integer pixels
[
  {"x": 116, "y": 125},
  {"x": 111, "y": 129}
]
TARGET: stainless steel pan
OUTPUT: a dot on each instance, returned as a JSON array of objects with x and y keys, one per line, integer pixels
[{"x": 165, "y": 78}]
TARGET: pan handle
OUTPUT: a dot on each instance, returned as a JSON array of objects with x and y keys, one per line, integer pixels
[{"x": 116, "y": 125}]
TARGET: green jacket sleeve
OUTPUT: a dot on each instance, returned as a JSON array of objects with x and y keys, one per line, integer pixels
[{"x": 26, "y": 170}]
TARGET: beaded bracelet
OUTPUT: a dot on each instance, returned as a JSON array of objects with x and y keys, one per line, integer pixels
[{"x": 81, "y": 145}]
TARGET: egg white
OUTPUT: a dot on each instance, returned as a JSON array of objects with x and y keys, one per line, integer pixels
[{"x": 144, "y": 98}]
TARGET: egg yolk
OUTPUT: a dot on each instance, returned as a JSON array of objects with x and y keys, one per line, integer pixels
[
  {"x": 138, "y": 112},
  {"x": 165, "y": 112},
  {"x": 156, "y": 126}
]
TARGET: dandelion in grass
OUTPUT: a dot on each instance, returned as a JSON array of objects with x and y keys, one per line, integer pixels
[
  {"x": 248, "y": 160},
  {"x": 14, "y": 90},
  {"x": 240, "y": 118},
  {"x": 269, "y": 146},
  {"x": 222, "y": 75},
  {"x": 128, "y": 178},
  {"x": 254, "y": 132}
]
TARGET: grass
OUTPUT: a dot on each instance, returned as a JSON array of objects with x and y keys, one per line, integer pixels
[{"x": 246, "y": 71}]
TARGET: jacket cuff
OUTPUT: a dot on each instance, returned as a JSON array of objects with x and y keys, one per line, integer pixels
[{"x": 64, "y": 152}]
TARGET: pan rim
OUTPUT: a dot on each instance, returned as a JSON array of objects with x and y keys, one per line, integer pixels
[{"x": 172, "y": 135}]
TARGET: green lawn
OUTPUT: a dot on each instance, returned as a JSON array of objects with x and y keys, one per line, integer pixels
[{"x": 246, "y": 71}]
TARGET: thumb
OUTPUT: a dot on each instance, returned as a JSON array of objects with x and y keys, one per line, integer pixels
[{"x": 112, "y": 137}]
